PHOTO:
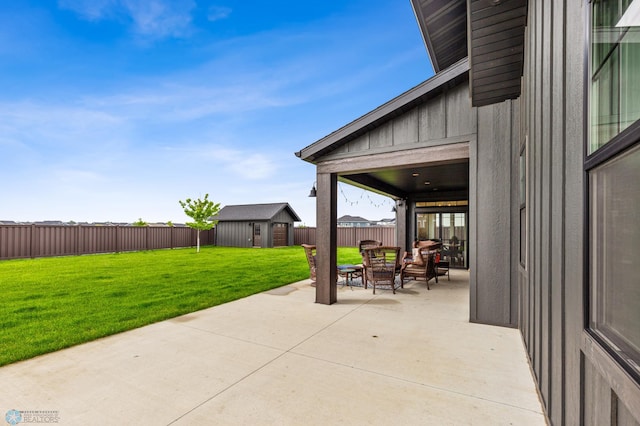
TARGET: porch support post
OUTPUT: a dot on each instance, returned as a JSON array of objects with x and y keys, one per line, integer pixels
[
  {"x": 401, "y": 225},
  {"x": 326, "y": 238}
]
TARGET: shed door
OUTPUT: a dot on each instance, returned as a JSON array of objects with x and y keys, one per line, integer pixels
[
  {"x": 257, "y": 238},
  {"x": 280, "y": 235}
]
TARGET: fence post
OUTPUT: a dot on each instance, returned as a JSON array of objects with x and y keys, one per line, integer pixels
[{"x": 32, "y": 239}]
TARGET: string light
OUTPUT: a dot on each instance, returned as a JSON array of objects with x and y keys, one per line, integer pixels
[{"x": 382, "y": 203}]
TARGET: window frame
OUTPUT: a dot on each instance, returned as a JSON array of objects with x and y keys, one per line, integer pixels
[
  {"x": 613, "y": 149},
  {"x": 522, "y": 206}
]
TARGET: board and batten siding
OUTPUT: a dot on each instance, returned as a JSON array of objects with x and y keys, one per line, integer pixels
[
  {"x": 493, "y": 288},
  {"x": 234, "y": 234},
  {"x": 240, "y": 234},
  {"x": 445, "y": 119},
  {"x": 578, "y": 381}
]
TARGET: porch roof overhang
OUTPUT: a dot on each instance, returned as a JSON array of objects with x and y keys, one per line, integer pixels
[
  {"x": 489, "y": 32},
  {"x": 450, "y": 176},
  {"x": 429, "y": 89}
]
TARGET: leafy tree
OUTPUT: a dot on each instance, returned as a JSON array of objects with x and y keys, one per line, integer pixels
[
  {"x": 201, "y": 212},
  {"x": 140, "y": 222}
]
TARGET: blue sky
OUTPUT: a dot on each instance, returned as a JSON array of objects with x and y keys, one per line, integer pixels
[{"x": 113, "y": 110}]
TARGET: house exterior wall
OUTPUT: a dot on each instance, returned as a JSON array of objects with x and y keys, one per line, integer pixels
[
  {"x": 578, "y": 380},
  {"x": 493, "y": 289},
  {"x": 551, "y": 281}
]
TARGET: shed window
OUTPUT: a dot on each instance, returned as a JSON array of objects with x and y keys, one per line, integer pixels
[{"x": 613, "y": 169}]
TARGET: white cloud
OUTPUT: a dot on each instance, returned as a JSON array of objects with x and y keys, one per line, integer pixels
[
  {"x": 217, "y": 13},
  {"x": 160, "y": 18},
  {"x": 243, "y": 165},
  {"x": 91, "y": 10},
  {"x": 42, "y": 124},
  {"x": 73, "y": 176},
  {"x": 190, "y": 100},
  {"x": 153, "y": 19}
]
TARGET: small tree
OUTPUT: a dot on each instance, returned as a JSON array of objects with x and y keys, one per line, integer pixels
[
  {"x": 201, "y": 212},
  {"x": 140, "y": 222}
]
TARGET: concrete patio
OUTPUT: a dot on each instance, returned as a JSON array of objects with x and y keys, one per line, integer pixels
[{"x": 278, "y": 358}]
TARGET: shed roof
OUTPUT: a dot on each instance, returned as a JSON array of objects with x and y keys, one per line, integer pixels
[{"x": 254, "y": 212}]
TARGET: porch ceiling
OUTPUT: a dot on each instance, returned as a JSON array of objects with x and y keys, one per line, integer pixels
[{"x": 402, "y": 182}]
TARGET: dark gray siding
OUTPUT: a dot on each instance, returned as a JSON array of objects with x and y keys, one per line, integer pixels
[
  {"x": 493, "y": 291},
  {"x": 240, "y": 233},
  {"x": 551, "y": 322},
  {"x": 578, "y": 380},
  {"x": 234, "y": 234},
  {"x": 448, "y": 118}
]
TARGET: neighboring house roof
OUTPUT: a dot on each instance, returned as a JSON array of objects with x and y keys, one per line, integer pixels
[
  {"x": 387, "y": 220},
  {"x": 494, "y": 45},
  {"x": 352, "y": 219},
  {"x": 255, "y": 212}
]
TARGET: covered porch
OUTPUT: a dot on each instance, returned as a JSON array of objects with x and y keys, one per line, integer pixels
[{"x": 278, "y": 358}]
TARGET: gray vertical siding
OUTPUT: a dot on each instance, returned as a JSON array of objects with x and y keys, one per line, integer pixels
[
  {"x": 553, "y": 116},
  {"x": 578, "y": 381},
  {"x": 491, "y": 296},
  {"x": 445, "y": 119},
  {"x": 240, "y": 233},
  {"x": 234, "y": 234}
]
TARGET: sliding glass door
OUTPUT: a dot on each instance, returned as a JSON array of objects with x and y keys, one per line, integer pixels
[{"x": 448, "y": 227}]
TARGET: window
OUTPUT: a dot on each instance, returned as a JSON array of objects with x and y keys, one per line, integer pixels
[
  {"x": 522, "y": 189},
  {"x": 615, "y": 64},
  {"x": 613, "y": 168},
  {"x": 442, "y": 203}
]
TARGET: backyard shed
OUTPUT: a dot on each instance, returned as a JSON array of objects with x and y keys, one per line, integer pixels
[{"x": 256, "y": 225}]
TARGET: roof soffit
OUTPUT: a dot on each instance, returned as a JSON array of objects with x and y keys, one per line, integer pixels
[
  {"x": 443, "y": 24},
  {"x": 489, "y": 32},
  {"x": 496, "y": 45}
]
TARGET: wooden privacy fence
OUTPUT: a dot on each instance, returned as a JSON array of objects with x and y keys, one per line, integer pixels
[
  {"x": 24, "y": 241},
  {"x": 349, "y": 236}
]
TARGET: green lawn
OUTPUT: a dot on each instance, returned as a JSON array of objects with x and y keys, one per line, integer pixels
[{"x": 53, "y": 303}]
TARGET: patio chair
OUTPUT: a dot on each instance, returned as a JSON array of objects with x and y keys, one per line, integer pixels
[
  {"x": 362, "y": 244},
  {"x": 381, "y": 264},
  {"x": 310, "y": 252},
  {"x": 420, "y": 264},
  {"x": 442, "y": 266}
]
